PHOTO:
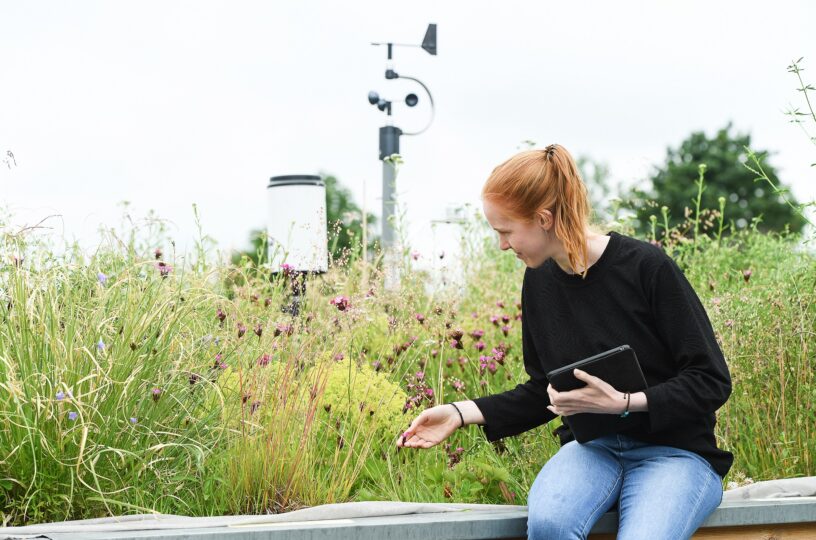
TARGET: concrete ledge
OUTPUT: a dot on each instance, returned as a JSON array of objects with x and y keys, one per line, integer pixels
[{"x": 730, "y": 520}]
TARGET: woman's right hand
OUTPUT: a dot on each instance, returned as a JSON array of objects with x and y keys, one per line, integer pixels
[{"x": 431, "y": 427}]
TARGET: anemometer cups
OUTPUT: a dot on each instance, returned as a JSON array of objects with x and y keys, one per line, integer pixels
[{"x": 374, "y": 98}]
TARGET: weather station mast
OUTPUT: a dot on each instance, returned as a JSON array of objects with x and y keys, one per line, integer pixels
[{"x": 389, "y": 146}]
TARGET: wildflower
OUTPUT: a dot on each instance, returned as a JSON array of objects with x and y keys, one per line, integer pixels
[
  {"x": 458, "y": 385},
  {"x": 339, "y": 356},
  {"x": 164, "y": 269},
  {"x": 194, "y": 378},
  {"x": 480, "y": 345},
  {"x": 221, "y": 315},
  {"x": 449, "y": 362},
  {"x": 102, "y": 278},
  {"x": 100, "y": 345},
  {"x": 746, "y": 275},
  {"x": 60, "y": 396},
  {"x": 156, "y": 393},
  {"x": 267, "y": 302},
  {"x": 456, "y": 334},
  {"x": 494, "y": 319},
  {"x": 254, "y": 297},
  {"x": 370, "y": 293},
  {"x": 158, "y": 253},
  {"x": 491, "y": 367},
  {"x": 377, "y": 365},
  {"x": 729, "y": 323},
  {"x": 505, "y": 319},
  {"x": 241, "y": 329},
  {"x": 505, "y": 330},
  {"x": 263, "y": 359},
  {"x": 429, "y": 392},
  {"x": 434, "y": 353},
  {"x": 258, "y": 329},
  {"x": 474, "y": 314},
  {"x": 419, "y": 317},
  {"x": 456, "y": 344},
  {"x": 283, "y": 328},
  {"x": 415, "y": 255},
  {"x": 341, "y": 302},
  {"x": 419, "y": 375},
  {"x": 287, "y": 269},
  {"x": 72, "y": 415},
  {"x": 254, "y": 407},
  {"x": 476, "y": 334},
  {"x": 482, "y": 382},
  {"x": 133, "y": 420},
  {"x": 500, "y": 304}
]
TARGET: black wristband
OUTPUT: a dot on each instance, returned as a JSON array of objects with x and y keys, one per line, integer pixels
[{"x": 460, "y": 414}]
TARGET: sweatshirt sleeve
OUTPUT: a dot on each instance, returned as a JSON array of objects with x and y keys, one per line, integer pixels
[
  {"x": 525, "y": 406},
  {"x": 701, "y": 383}
]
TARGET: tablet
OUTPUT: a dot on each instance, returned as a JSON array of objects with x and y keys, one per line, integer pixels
[{"x": 620, "y": 368}]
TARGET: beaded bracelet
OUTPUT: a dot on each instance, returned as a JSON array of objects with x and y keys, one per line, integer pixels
[{"x": 625, "y": 413}]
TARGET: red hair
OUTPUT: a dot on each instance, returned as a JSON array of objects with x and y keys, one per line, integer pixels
[{"x": 548, "y": 179}]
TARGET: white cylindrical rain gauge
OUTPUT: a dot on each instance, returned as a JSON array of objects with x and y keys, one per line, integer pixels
[{"x": 296, "y": 226}]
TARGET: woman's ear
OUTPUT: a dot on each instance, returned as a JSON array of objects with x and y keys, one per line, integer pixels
[{"x": 545, "y": 219}]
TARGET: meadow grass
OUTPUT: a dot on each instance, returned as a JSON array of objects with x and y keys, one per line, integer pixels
[{"x": 129, "y": 384}]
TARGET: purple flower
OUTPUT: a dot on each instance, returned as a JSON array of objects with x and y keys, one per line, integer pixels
[
  {"x": 476, "y": 334},
  {"x": 494, "y": 319},
  {"x": 72, "y": 415},
  {"x": 263, "y": 359},
  {"x": 377, "y": 365},
  {"x": 746, "y": 274},
  {"x": 505, "y": 319},
  {"x": 100, "y": 345},
  {"x": 158, "y": 253},
  {"x": 254, "y": 406},
  {"x": 474, "y": 314},
  {"x": 164, "y": 269},
  {"x": 341, "y": 302},
  {"x": 220, "y": 314},
  {"x": 480, "y": 345},
  {"x": 505, "y": 329},
  {"x": 419, "y": 375},
  {"x": 241, "y": 329},
  {"x": 133, "y": 420},
  {"x": 429, "y": 392},
  {"x": 102, "y": 278},
  {"x": 287, "y": 269},
  {"x": 500, "y": 304},
  {"x": 419, "y": 317},
  {"x": 156, "y": 393},
  {"x": 258, "y": 329},
  {"x": 60, "y": 396},
  {"x": 339, "y": 356}
]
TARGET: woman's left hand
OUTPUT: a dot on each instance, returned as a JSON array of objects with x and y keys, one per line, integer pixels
[{"x": 597, "y": 396}]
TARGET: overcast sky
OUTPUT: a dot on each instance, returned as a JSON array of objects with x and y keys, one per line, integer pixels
[{"x": 168, "y": 103}]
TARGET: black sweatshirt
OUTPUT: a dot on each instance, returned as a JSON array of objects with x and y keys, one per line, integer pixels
[{"x": 634, "y": 294}]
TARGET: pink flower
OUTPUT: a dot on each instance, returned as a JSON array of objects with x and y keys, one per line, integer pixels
[
  {"x": 241, "y": 329},
  {"x": 340, "y": 302},
  {"x": 415, "y": 255},
  {"x": 164, "y": 269},
  {"x": 505, "y": 329},
  {"x": 419, "y": 317},
  {"x": 258, "y": 329},
  {"x": 476, "y": 334},
  {"x": 746, "y": 275},
  {"x": 500, "y": 304},
  {"x": 263, "y": 359},
  {"x": 419, "y": 375},
  {"x": 339, "y": 356},
  {"x": 429, "y": 392},
  {"x": 494, "y": 319},
  {"x": 480, "y": 345}
]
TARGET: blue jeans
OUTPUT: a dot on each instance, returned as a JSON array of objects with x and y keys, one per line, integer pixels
[{"x": 660, "y": 492}]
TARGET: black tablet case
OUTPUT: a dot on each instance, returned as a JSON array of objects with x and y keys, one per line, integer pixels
[{"x": 618, "y": 367}]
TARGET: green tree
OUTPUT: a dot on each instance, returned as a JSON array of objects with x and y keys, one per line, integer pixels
[
  {"x": 344, "y": 226},
  {"x": 673, "y": 185}
]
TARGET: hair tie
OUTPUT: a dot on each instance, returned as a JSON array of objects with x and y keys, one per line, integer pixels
[{"x": 550, "y": 150}]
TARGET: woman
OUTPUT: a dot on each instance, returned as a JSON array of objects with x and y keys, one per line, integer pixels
[{"x": 583, "y": 293}]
